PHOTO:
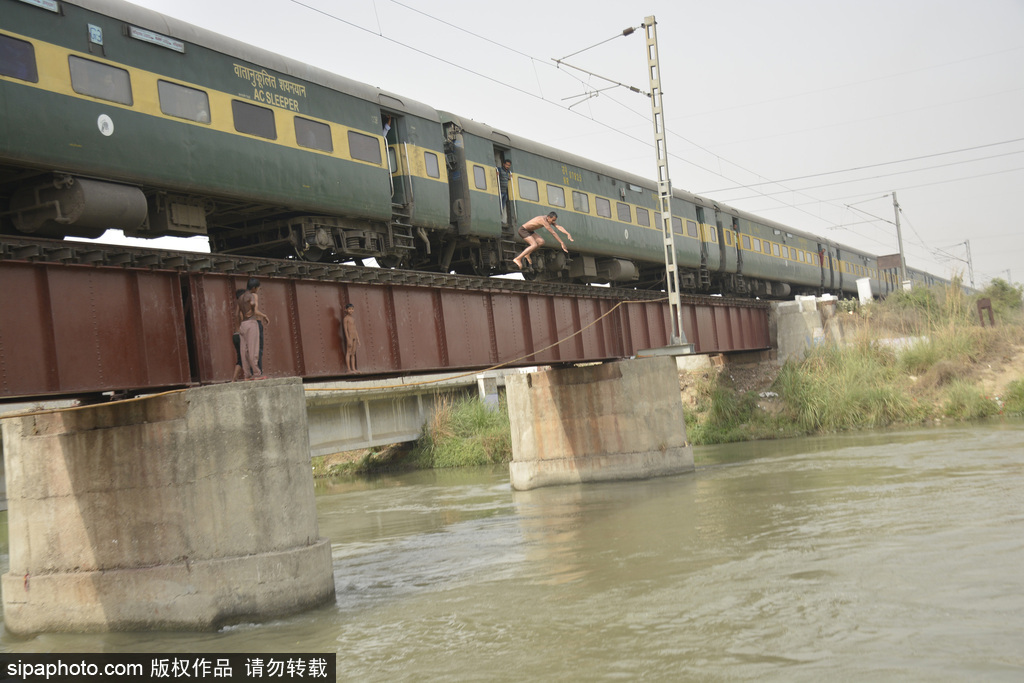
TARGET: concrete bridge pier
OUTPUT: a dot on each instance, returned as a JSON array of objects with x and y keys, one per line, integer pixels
[
  {"x": 619, "y": 420},
  {"x": 183, "y": 511}
]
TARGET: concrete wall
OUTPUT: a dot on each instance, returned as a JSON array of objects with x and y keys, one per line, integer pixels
[
  {"x": 614, "y": 421},
  {"x": 181, "y": 511},
  {"x": 349, "y": 415},
  {"x": 798, "y": 325}
]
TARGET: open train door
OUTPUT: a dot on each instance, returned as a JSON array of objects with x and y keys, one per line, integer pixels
[{"x": 825, "y": 263}]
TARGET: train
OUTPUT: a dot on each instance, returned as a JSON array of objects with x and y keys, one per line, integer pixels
[{"x": 118, "y": 117}]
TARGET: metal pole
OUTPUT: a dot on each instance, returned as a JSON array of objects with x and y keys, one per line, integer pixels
[
  {"x": 899, "y": 238},
  {"x": 676, "y": 334},
  {"x": 970, "y": 263}
]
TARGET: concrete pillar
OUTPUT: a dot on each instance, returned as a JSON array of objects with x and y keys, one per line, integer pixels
[
  {"x": 487, "y": 386},
  {"x": 602, "y": 422},
  {"x": 184, "y": 511}
]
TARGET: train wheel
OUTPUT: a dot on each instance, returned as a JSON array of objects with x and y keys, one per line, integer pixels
[
  {"x": 390, "y": 261},
  {"x": 310, "y": 254}
]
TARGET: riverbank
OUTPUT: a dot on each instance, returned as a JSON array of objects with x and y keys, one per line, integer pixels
[
  {"x": 921, "y": 357},
  {"x": 915, "y": 358}
]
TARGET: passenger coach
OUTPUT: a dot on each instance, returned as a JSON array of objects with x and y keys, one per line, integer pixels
[{"x": 118, "y": 117}]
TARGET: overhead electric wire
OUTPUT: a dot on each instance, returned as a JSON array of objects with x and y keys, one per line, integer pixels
[
  {"x": 878, "y": 177},
  {"x": 569, "y": 108},
  {"x": 884, "y": 163},
  {"x": 647, "y": 143}
]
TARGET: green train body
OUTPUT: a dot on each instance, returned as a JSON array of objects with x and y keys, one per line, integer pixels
[{"x": 115, "y": 116}]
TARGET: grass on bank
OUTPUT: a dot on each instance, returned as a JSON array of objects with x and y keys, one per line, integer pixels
[
  {"x": 462, "y": 432},
  {"x": 863, "y": 382}
]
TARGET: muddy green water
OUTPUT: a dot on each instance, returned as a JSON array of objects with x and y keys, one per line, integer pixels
[{"x": 883, "y": 556}]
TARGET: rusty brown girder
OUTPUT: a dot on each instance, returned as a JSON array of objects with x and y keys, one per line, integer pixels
[{"x": 81, "y": 319}]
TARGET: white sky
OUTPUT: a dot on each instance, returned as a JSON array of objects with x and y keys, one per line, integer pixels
[{"x": 924, "y": 97}]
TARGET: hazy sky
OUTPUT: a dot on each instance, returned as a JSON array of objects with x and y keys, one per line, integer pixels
[{"x": 807, "y": 112}]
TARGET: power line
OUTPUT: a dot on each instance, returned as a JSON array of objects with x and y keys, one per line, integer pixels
[
  {"x": 878, "y": 177},
  {"x": 855, "y": 83},
  {"x": 884, "y": 163},
  {"x": 620, "y": 131}
]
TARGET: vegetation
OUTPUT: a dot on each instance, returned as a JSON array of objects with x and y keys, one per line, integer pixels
[
  {"x": 464, "y": 432},
  {"x": 1013, "y": 402},
  {"x": 864, "y": 382}
]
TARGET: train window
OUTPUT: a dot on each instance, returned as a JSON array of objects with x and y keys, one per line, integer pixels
[
  {"x": 800, "y": 255},
  {"x": 677, "y": 225},
  {"x": 184, "y": 103},
  {"x": 100, "y": 80},
  {"x": 603, "y": 206},
  {"x": 254, "y": 120},
  {"x": 313, "y": 134},
  {"x": 757, "y": 244},
  {"x": 712, "y": 235},
  {"x": 785, "y": 252},
  {"x": 746, "y": 242},
  {"x": 363, "y": 147},
  {"x": 433, "y": 167},
  {"x": 775, "y": 249},
  {"x": 529, "y": 190},
  {"x": 580, "y": 202},
  {"x": 728, "y": 239},
  {"x": 18, "y": 59},
  {"x": 623, "y": 212},
  {"x": 691, "y": 228},
  {"x": 480, "y": 177},
  {"x": 556, "y": 196},
  {"x": 643, "y": 217},
  {"x": 768, "y": 247}
]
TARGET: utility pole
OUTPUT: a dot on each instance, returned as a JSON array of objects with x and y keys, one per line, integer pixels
[
  {"x": 899, "y": 238},
  {"x": 970, "y": 262},
  {"x": 676, "y": 335}
]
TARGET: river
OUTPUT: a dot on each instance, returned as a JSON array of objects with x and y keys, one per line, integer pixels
[{"x": 873, "y": 556}]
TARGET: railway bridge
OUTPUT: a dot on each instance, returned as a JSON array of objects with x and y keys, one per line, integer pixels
[
  {"x": 80, "y": 319},
  {"x": 191, "y": 506}
]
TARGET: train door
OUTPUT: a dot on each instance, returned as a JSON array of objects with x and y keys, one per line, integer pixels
[
  {"x": 707, "y": 263},
  {"x": 839, "y": 270},
  {"x": 506, "y": 188},
  {"x": 728, "y": 245},
  {"x": 825, "y": 262},
  {"x": 398, "y": 164}
]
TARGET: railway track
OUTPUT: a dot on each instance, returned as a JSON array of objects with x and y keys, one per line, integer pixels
[{"x": 25, "y": 249}]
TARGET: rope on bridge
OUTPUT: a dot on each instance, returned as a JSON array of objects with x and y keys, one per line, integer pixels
[{"x": 509, "y": 362}]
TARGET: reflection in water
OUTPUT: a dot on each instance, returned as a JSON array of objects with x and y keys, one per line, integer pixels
[{"x": 884, "y": 556}]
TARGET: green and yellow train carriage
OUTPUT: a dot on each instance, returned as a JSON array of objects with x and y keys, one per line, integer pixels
[
  {"x": 611, "y": 214},
  {"x": 613, "y": 218},
  {"x": 118, "y": 117},
  {"x": 156, "y": 127}
]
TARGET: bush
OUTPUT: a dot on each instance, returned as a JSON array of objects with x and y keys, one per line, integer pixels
[
  {"x": 966, "y": 402},
  {"x": 1013, "y": 401},
  {"x": 837, "y": 388},
  {"x": 1006, "y": 302},
  {"x": 465, "y": 432}
]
